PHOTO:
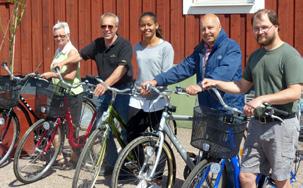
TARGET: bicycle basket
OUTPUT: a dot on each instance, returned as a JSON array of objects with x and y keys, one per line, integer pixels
[
  {"x": 9, "y": 92},
  {"x": 52, "y": 101},
  {"x": 210, "y": 128}
]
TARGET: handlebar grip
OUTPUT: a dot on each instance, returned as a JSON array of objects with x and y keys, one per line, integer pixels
[
  {"x": 274, "y": 109},
  {"x": 180, "y": 90},
  {"x": 4, "y": 65},
  {"x": 57, "y": 69}
]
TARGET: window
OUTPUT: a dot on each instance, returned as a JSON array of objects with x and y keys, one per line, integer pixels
[{"x": 221, "y": 6}]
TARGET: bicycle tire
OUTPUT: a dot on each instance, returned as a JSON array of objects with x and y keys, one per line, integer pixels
[
  {"x": 9, "y": 133},
  {"x": 124, "y": 166},
  {"x": 198, "y": 172},
  {"x": 87, "y": 112},
  {"x": 30, "y": 149},
  {"x": 91, "y": 159}
]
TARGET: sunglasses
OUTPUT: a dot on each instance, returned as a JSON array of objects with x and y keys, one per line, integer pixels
[
  {"x": 57, "y": 36},
  {"x": 107, "y": 26}
]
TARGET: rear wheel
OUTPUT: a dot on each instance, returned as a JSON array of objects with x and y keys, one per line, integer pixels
[
  {"x": 136, "y": 162},
  {"x": 9, "y": 133},
  {"x": 205, "y": 175},
  {"x": 91, "y": 159},
  {"x": 35, "y": 154},
  {"x": 87, "y": 112}
]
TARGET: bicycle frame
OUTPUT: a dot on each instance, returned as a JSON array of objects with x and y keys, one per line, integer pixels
[
  {"x": 236, "y": 172},
  {"x": 25, "y": 108},
  {"x": 71, "y": 130},
  {"x": 164, "y": 129},
  {"x": 110, "y": 118}
]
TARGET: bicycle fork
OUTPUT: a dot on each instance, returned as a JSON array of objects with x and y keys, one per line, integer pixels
[
  {"x": 149, "y": 153},
  {"x": 50, "y": 135},
  {"x": 5, "y": 127}
]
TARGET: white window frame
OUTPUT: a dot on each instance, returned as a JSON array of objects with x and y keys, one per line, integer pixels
[{"x": 222, "y": 6}]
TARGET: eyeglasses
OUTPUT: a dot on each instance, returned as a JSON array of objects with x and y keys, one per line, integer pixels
[
  {"x": 61, "y": 36},
  {"x": 263, "y": 29},
  {"x": 107, "y": 26}
]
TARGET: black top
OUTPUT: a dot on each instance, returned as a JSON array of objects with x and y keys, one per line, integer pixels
[{"x": 108, "y": 59}]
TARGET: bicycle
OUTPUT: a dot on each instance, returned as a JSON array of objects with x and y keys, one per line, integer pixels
[
  {"x": 36, "y": 153},
  {"x": 93, "y": 153},
  {"x": 149, "y": 160},
  {"x": 10, "y": 97},
  {"x": 211, "y": 172}
]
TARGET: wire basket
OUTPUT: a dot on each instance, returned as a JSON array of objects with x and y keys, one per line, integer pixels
[
  {"x": 223, "y": 137},
  {"x": 52, "y": 101},
  {"x": 9, "y": 93}
]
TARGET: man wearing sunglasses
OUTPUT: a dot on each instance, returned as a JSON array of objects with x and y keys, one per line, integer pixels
[{"x": 112, "y": 55}]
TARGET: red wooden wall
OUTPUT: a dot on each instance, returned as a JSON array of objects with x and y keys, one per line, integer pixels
[{"x": 35, "y": 45}]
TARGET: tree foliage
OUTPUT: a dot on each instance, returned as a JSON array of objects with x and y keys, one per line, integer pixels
[{"x": 12, "y": 25}]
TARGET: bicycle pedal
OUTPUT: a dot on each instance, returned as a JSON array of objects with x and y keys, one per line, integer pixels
[
  {"x": 191, "y": 154},
  {"x": 131, "y": 165},
  {"x": 215, "y": 168}
]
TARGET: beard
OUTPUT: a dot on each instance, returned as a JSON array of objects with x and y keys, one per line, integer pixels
[{"x": 265, "y": 40}]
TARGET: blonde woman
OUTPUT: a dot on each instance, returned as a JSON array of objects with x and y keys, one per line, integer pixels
[{"x": 70, "y": 74}]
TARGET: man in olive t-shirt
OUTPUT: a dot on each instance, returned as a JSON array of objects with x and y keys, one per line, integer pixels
[
  {"x": 273, "y": 70},
  {"x": 276, "y": 72}
]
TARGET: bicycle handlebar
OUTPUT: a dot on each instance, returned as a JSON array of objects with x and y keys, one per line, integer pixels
[
  {"x": 182, "y": 91},
  {"x": 114, "y": 90},
  {"x": 25, "y": 78},
  {"x": 164, "y": 94},
  {"x": 225, "y": 106},
  {"x": 268, "y": 109},
  {"x": 57, "y": 70},
  {"x": 178, "y": 90}
]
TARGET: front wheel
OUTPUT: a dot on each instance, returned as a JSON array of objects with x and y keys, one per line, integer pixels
[
  {"x": 205, "y": 175},
  {"x": 9, "y": 132},
  {"x": 136, "y": 162},
  {"x": 35, "y": 154},
  {"x": 91, "y": 159}
]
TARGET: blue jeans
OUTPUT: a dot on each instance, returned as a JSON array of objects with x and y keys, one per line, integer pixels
[{"x": 121, "y": 106}]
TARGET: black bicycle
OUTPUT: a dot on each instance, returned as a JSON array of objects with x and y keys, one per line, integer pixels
[{"x": 11, "y": 99}]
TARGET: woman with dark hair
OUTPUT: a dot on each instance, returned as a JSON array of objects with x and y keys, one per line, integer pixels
[{"x": 153, "y": 56}]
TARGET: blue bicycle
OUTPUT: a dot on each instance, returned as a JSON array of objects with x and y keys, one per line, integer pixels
[{"x": 221, "y": 144}]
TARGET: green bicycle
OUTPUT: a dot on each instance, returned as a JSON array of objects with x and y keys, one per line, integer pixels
[{"x": 93, "y": 153}]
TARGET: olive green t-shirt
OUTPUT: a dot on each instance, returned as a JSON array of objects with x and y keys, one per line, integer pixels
[{"x": 272, "y": 71}]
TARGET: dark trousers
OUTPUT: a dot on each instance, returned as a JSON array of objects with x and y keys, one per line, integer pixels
[{"x": 139, "y": 121}]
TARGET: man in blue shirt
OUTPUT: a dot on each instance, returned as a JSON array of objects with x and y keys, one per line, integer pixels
[{"x": 216, "y": 57}]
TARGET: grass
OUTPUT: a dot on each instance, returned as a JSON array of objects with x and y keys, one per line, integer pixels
[{"x": 185, "y": 104}]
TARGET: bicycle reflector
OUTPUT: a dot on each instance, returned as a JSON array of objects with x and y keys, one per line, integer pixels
[
  {"x": 205, "y": 147},
  {"x": 43, "y": 109},
  {"x": 46, "y": 125},
  {"x": 2, "y": 121}
]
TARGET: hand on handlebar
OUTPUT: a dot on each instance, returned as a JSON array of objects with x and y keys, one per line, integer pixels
[
  {"x": 193, "y": 89},
  {"x": 48, "y": 75},
  {"x": 145, "y": 87},
  {"x": 250, "y": 107},
  {"x": 100, "y": 89},
  {"x": 59, "y": 65},
  {"x": 208, "y": 83}
]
